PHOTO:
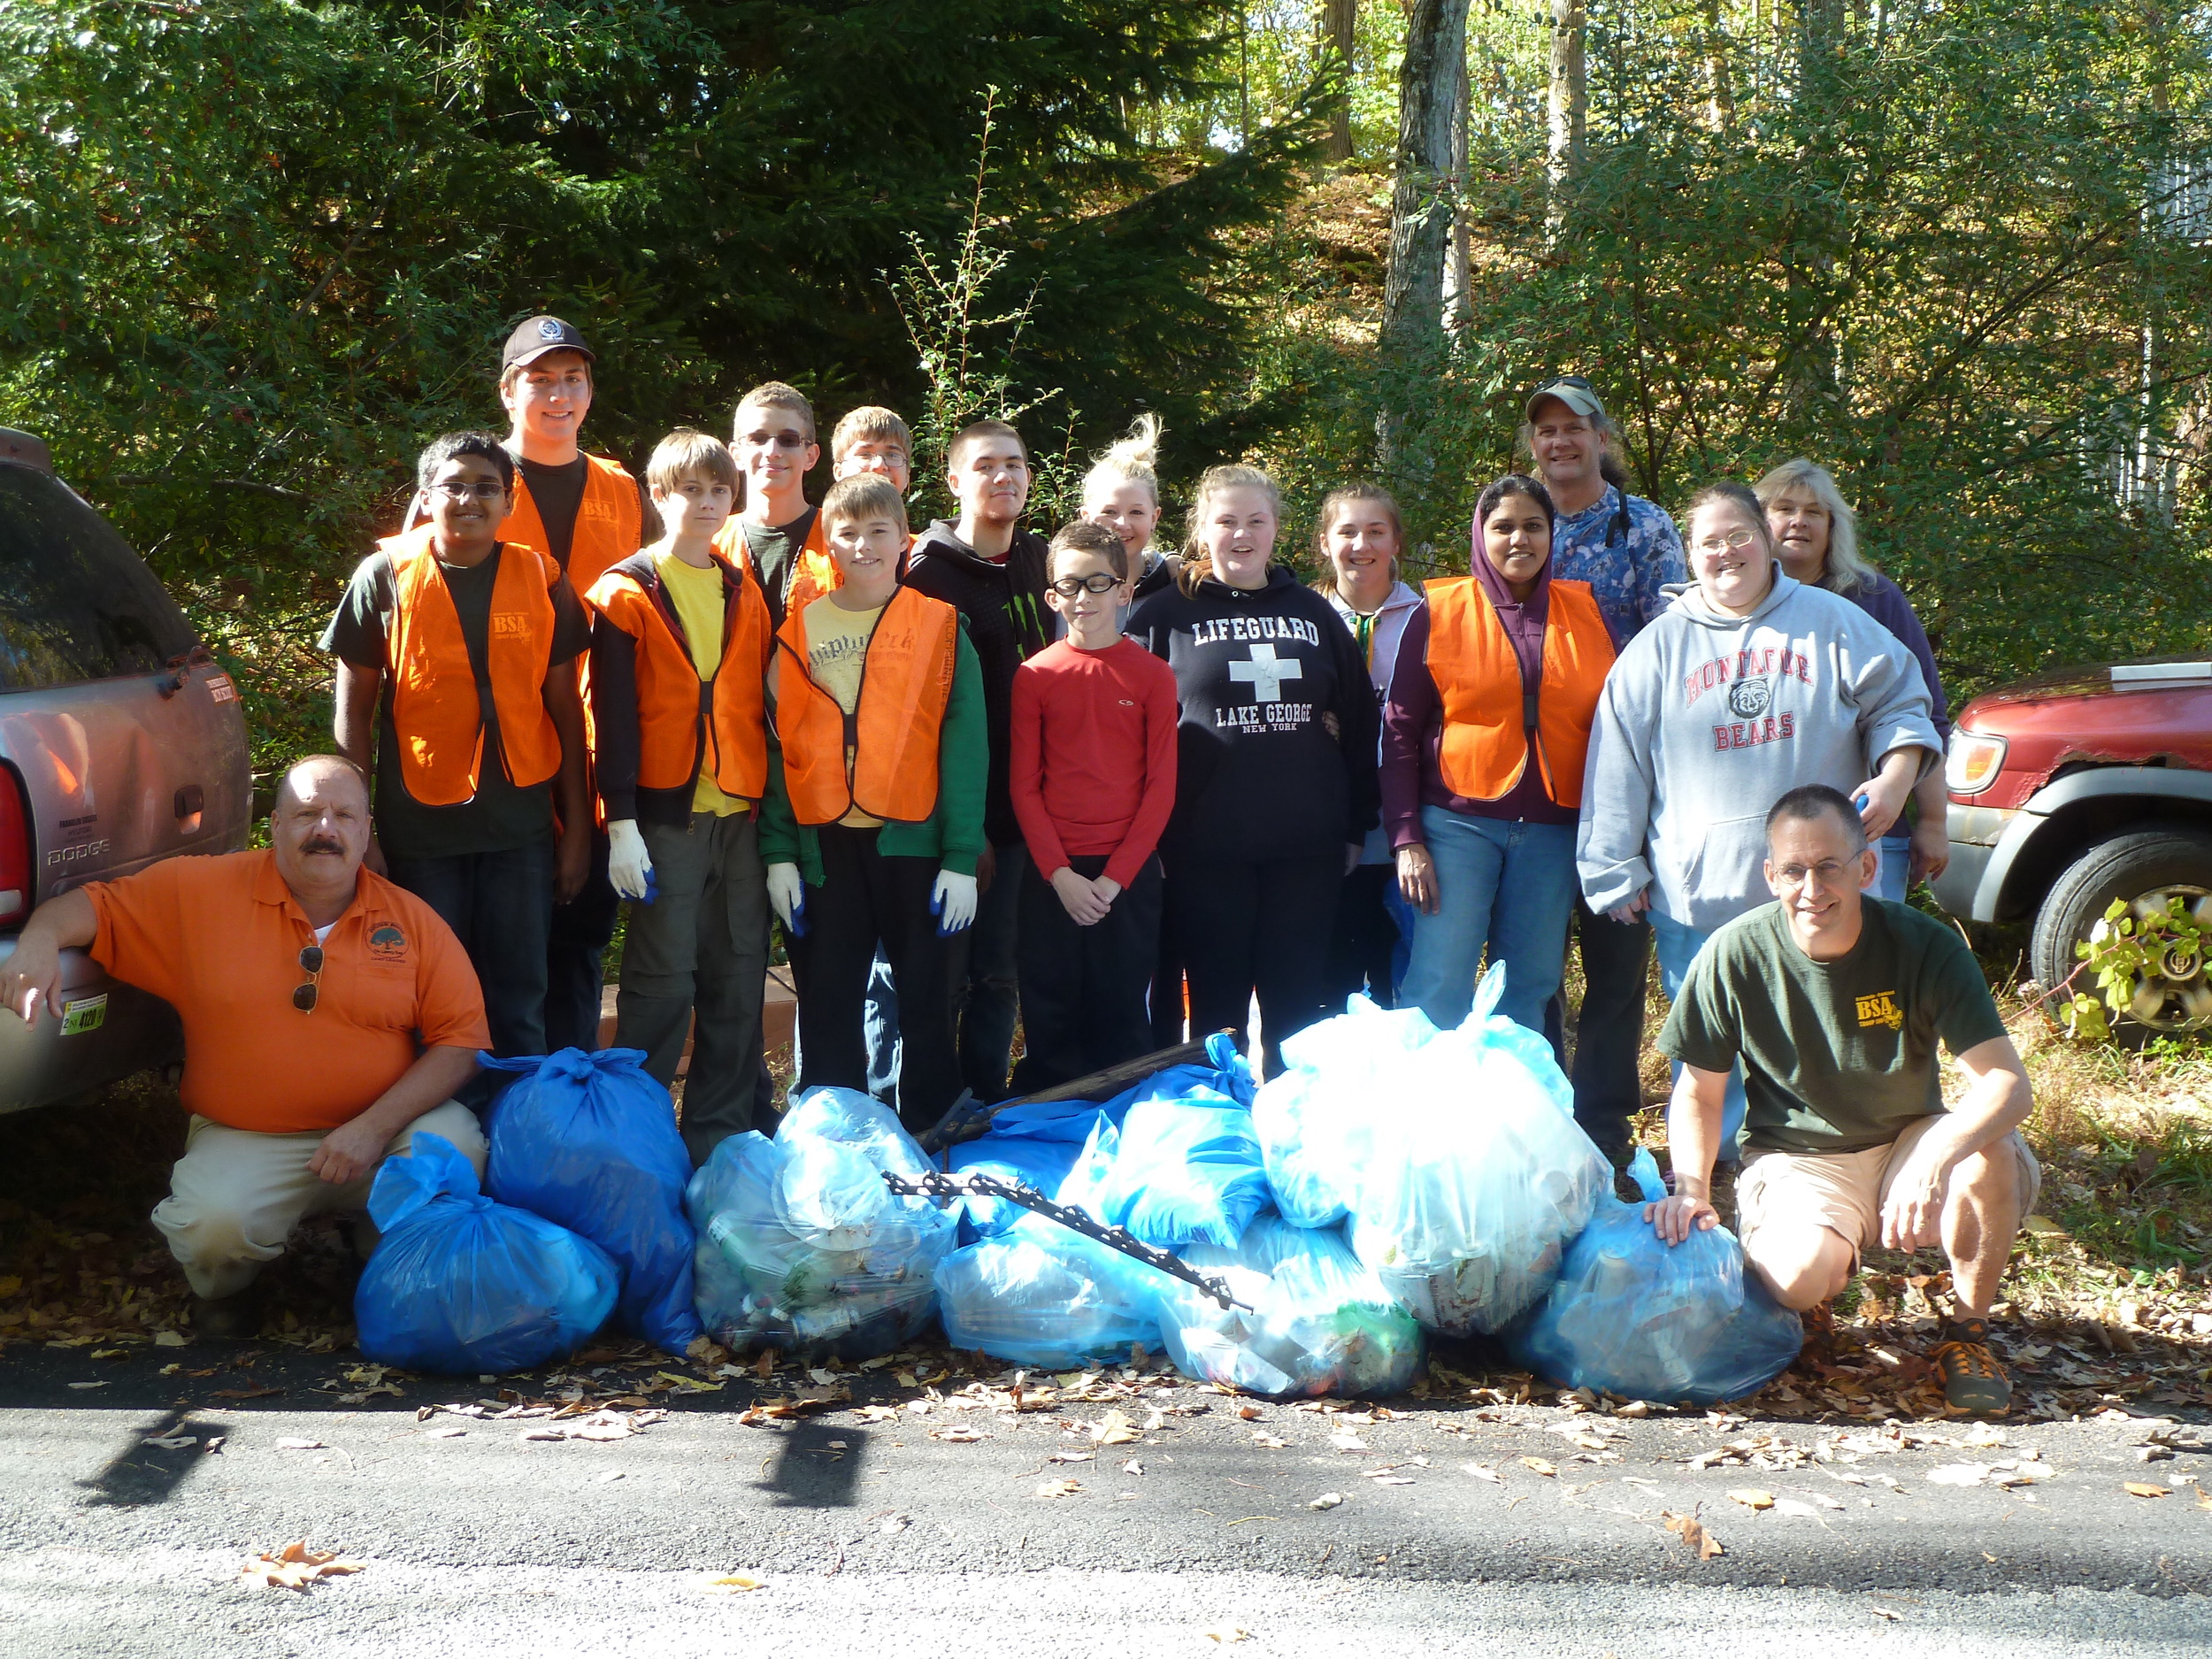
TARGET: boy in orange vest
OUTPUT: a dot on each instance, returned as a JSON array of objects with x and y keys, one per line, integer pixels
[
  {"x": 679, "y": 648},
  {"x": 875, "y": 817},
  {"x": 779, "y": 536},
  {"x": 457, "y": 690}
]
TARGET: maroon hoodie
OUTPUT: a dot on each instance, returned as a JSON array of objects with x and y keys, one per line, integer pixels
[{"x": 1413, "y": 719}]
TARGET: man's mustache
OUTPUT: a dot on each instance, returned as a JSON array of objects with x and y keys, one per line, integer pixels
[{"x": 323, "y": 844}]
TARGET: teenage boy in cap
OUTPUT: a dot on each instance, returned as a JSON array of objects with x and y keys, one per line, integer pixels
[
  {"x": 1627, "y": 549},
  {"x": 588, "y": 512},
  {"x": 778, "y": 535},
  {"x": 994, "y": 573},
  {"x": 456, "y": 688},
  {"x": 680, "y": 647}
]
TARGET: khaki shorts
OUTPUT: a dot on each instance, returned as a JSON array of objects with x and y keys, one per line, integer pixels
[{"x": 1845, "y": 1191}]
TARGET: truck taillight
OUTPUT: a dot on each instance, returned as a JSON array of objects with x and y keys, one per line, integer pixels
[
  {"x": 1973, "y": 762},
  {"x": 15, "y": 852}
]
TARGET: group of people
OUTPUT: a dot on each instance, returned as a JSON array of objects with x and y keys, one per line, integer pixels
[{"x": 1124, "y": 794}]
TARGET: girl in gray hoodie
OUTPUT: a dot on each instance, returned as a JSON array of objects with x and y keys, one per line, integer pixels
[{"x": 1746, "y": 686}]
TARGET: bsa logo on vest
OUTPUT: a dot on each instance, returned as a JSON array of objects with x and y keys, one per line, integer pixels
[
  {"x": 387, "y": 944},
  {"x": 509, "y": 623}
]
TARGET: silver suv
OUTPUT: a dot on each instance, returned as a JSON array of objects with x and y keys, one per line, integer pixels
[{"x": 121, "y": 743}]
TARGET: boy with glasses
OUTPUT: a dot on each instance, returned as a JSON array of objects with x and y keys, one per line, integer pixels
[
  {"x": 1093, "y": 778},
  {"x": 456, "y": 690},
  {"x": 779, "y": 536}
]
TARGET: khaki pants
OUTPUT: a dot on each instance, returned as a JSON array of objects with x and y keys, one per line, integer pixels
[{"x": 235, "y": 1195}]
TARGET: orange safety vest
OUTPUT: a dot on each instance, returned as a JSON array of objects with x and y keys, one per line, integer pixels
[
  {"x": 905, "y": 682},
  {"x": 810, "y": 575},
  {"x": 1487, "y": 717},
  {"x": 609, "y": 524},
  {"x": 688, "y": 725},
  {"x": 435, "y": 709}
]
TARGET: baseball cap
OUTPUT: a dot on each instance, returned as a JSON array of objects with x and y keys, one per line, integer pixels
[
  {"x": 534, "y": 338},
  {"x": 1571, "y": 389}
]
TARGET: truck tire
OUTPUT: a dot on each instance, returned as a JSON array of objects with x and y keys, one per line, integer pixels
[{"x": 2164, "y": 858}]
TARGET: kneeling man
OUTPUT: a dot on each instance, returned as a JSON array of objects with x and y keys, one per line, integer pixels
[
  {"x": 328, "y": 1014},
  {"x": 1833, "y": 1000}
]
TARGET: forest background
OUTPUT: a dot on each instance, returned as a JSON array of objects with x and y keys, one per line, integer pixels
[{"x": 255, "y": 254}]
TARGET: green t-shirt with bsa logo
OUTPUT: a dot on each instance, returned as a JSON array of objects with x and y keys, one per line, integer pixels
[{"x": 1840, "y": 1055}]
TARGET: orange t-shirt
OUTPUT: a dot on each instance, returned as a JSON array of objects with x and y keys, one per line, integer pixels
[{"x": 220, "y": 938}]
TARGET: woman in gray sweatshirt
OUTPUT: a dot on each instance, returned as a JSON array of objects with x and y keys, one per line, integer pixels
[{"x": 1746, "y": 686}]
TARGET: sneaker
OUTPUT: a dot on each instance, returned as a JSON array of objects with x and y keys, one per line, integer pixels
[
  {"x": 1724, "y": 1195},
  {"x": 1973, "y": 1381},
  {"x": 1625, "y": 1187},
  {"x": 227, "y": 1319}
]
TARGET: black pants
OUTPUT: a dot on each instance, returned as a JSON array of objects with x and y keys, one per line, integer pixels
[
  {"x": 574, "y": 952},
  {"x": 1364, "y": 940},
  {"x": 1166, "y": 995},
  {"x": 1609, "y": 1031},
  {"x": 867, "y": 899},
  {"x": 1247, "y": 928},
  {"x": 988, "y": 997},
  {"x": 1082, "y": 988}
]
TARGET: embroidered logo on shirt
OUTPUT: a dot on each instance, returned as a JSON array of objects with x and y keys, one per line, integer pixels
[
  {"x": 1880, "y": 1010},
  {"x": 388, "y": 943}
]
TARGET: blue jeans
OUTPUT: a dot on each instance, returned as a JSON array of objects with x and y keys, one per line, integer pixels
[
  {"x": 1506, "y": 885},
  {"x": 1677, "y": 949},
  {"x": 1895, "y": 874}
]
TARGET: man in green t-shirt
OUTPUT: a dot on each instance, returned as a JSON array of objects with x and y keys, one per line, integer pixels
[{"x": 1833, "y": 1003}]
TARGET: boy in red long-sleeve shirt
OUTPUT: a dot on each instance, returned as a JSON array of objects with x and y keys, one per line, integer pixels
[{"x": 1093, "y": 778}]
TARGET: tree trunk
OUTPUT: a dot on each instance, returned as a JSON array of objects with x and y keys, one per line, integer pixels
[
  {"x": 1424, "y": 188},
  {"x": 1339, "y": 27},
  {"x": 1569, "y": 108},
  {"x": 1458, "y": 308},
  {"x": 1721, "y": 94}
]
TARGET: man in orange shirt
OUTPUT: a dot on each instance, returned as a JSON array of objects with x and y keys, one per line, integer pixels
[{"x": 328, "y": 1016}]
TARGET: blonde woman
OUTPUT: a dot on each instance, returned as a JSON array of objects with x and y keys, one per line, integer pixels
[
  {"x": 1275, "y": 782},
  {"x": 1122, "y": 492},
  {"x": 1816, "y": 536}
]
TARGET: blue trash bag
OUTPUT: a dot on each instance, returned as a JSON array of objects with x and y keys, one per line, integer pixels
[
  {"x": 1320, "y": 1322},
  {"x": 800, "y": 1244},
  {"x": 1632, "y": 1316},
  {"x": 1040, "y": 1164},
  {"x": 1313, "y": 1121},
  {"x": 463, "y": 1285},
  {"x": 1189, "y": 1171},
  {"x": 1040, "y": 1295},
  {"x": 1458, "y": 1158},
  {"x": 590, "y": 1141}
]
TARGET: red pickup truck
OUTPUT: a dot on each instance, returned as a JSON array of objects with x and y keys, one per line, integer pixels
[{"x": 2081, "y": 787}]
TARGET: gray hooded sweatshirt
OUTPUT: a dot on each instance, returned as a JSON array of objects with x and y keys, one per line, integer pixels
[{"x": 1708, "y": 719}]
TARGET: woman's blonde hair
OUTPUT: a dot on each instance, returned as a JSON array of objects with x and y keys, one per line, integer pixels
[
  {"x": 1198, "y": 564},
  {"x": 1847, "y": 569},
  {"x": 1348, "y": 495},
  {"x": 1133, "y": 459}
]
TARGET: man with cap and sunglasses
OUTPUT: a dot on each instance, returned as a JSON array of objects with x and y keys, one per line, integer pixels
[
  {"x": 590, "y": 514},
  {"x": 329, "y": 1017},
  {"x": 1627, "y": 549}
]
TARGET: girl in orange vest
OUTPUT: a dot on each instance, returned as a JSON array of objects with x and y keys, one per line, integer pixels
[{"x": 1484, "y": 735}]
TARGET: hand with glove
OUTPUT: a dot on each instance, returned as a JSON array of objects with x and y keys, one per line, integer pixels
[
  {"x": 952, "y": 902},
  {"x": 629, "y": 866},
  {"x": 786, "y": 894}
]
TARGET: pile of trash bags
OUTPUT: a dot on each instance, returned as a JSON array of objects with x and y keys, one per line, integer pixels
[
  {"x": 801, "y": 1247},
  {"x": 1452, "y": 1157},
  {"x": 589, "y": 1140},
  {"x": 1679, "y": 1324},
  {"x": 461, "y": 1284}
]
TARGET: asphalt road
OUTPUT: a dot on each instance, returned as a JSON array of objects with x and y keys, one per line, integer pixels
[{"x": 867, "y": 1535}]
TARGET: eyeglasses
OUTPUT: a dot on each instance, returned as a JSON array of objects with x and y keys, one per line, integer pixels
[
  {"x": 1830, "y": 871},
  {"x": 776, "y": 440},
  {"x": 311, "y": 965},
  {"x": 1734, "y": 541},
  {"x": 1097, "y": 582},
  {"x": 469, "y": 492}
]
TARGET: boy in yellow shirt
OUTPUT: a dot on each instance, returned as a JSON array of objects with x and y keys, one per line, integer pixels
[{"x": 679, "y": 648}]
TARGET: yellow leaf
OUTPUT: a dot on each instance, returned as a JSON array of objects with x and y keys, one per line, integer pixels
[
  {"x": 689, "y": 1385},
  {"x": 1059, "y": 1488},
  {"x": 735, "y": 1583},
  {"x": 10, "y": 1284},
  {"x": 2143, "y": 1489},
  {"x": 1539, "y": 1466},
  {"x": 1752, "y": 1498},
  {"x": 1224, "y": 1633}
]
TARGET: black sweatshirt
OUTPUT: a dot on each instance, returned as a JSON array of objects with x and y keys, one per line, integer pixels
[
  {"x": 1258, "y": 775},
  {"x": 1004, "y": 608}
]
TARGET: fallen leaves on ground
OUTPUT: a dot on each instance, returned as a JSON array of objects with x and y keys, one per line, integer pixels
[
  {"x": 1326, "y": 1500},
  {"x": 1059, "y": 1488},
  {"x": 596, "y": 1426},
  {"x": 1539, "y": 1466},
  {"x": 1224, "y": 1633},
  {"x": 734, "y": 1583},
  {"x": 2142, "y": 1489},
  {"x": 1752, "y": 1498},
  {"x": 295, "y": 1567},
  {"x": 1693, "y": 1532}
]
